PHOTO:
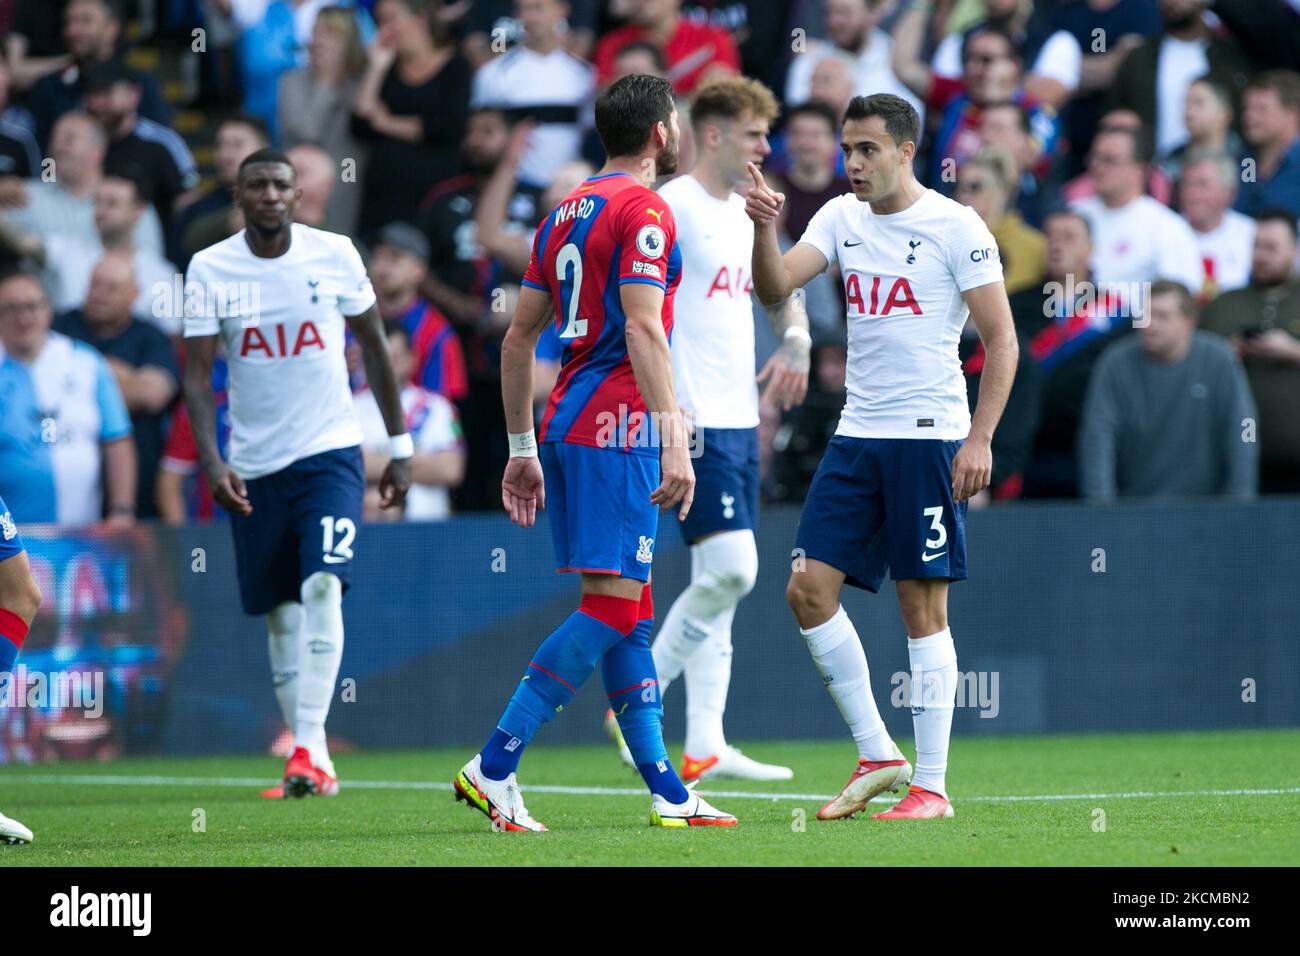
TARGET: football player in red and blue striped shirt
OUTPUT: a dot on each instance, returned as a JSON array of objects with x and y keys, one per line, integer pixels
[{"x": 613, "y": 446}]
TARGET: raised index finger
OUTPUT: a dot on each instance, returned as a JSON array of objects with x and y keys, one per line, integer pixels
[{"x": 759, "y": 182}]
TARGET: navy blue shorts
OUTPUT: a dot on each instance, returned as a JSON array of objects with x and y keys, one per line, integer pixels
[
  {"x": 598, "y": 500},
  {"x": 11, "y": 542},
  {"x": 726, "y": 483},
  {"x": 880, "y": 504},
  {"x": 305, "y": 519}
]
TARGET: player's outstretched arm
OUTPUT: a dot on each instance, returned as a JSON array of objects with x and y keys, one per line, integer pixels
[
  {"x": 776, "y": 276},
  {"x": 368, "y": 328},
  {"x": 523, "y": 490},
  {"x": 647, "y": 348},
  {"x": 972, "y": 468},
  {"x": 227, "y": 487}
]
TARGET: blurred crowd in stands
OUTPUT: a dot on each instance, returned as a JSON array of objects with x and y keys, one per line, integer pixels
[{"x": 1137, "y": 161}]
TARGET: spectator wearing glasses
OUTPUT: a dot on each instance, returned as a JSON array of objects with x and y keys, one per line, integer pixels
[
  {"x": 1125, "y": 222},
  {"x": 65, "y": 436}
]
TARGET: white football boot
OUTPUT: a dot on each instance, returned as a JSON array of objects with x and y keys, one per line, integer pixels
[
  {"x": 13, "y": 832},
  {"x": 695, "y": 812},
  {"x": 730, "y": 762},
  {"x": 499, "y": 800}
]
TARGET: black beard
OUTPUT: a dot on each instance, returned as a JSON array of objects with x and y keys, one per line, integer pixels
[
  {"x": 1181, "y": 24},
  {"x": 666, "y": 160}
]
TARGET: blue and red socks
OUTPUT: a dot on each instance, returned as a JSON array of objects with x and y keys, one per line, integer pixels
[
  {"x": 632, "y": 685},
  {"x": 561, "y": 665},
  {"x": 13, "y": 631}
]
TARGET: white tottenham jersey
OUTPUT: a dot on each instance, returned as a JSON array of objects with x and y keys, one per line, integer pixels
[
  {"x": 903, "y": 278},
  {"x": 282, "y": 322},
  {"x": 713, "y": 318}
]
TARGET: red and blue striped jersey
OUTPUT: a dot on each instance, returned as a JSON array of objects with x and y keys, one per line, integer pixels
[{"x": 608, "y": 232}]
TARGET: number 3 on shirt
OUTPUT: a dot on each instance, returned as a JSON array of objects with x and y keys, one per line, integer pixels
[{"x": 568, "y": 255}]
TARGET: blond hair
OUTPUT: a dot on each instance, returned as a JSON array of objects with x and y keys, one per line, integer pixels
[{"x": 730, "y": 97}]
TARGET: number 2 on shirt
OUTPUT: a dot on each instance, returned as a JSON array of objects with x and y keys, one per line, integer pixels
[{"x": 568, "y": 255}]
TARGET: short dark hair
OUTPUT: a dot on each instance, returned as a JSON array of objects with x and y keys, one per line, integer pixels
[
  {"x": 985, "y": 30},
  {"x": 1186, "y": 304},
  {"x": 255, "y": 123},
  {"x": 1022, "y": 114},
  {"x": 9, "y": 273},
  {"x": 644, "y": 46},
  {"x": 1219, "y": 90},
  {"x": 1285, "y": 83},
  {"x": 1065, "y": 212},
  {"x": 112, "y": 8},
  {"x": 814, "y": 108},
  {"x": 264, "y": 155},
  {"x": 128, "y": 176},
  {"x": 901, "y": 121},
  {"x": 1138, "y": 139},
  {"x": 1278, "y": 214},
  {"x": 628, "y": 111}
]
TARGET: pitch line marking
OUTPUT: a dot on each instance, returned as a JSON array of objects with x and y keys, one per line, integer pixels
[{"x": 117, "y": 780}]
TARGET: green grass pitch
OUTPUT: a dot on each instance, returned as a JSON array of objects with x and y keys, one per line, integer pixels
[{"x": 1225, "y": 798}]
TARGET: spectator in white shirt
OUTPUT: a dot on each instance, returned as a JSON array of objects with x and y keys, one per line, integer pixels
[
  {"x": 852, "y": 27},
  {"x": 1136, "y": 239},
  {"x": 540, "y": 79},
  {"x": 1053, "y": 58},
  {"x": 68, "y": 259},
  {"x": 66, "y": 202},
  {"x": 1225, "y": 236}
]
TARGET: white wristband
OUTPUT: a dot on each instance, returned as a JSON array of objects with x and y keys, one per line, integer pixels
[
  {"x": 401, "y": 446},
  {"x": 799, "y": 332},
  {"x": 523, "y": 445}
]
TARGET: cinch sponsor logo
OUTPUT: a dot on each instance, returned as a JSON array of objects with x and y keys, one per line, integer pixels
[
  {"x": 984, "y": 255},
  {"x": 134, "y": 910}
]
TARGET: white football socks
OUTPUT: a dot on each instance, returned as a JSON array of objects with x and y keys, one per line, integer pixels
[
  {"x": 723, "y": 570},
  {"x": 283, "y": 633},
  {"x": 320, "y": 655},
  {"x": 840, "y": 659},
  {"x": 708, "y": 676},
  {"x": 934, "y": 694}
]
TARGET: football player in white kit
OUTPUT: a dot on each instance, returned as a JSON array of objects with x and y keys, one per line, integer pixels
[
  {"x": 891, "y": 490},
  {"x": 279, "y": 294},
  {"x": 713, "y": 370}
]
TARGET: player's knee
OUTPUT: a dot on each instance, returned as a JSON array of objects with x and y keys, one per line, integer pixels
[
  {"x": 730, "y": 569},
  {"x": 322, "y": 588},
  {"x": 810, "y": 604},
  {"x": 284, "y": 620},
  {"x": 23, "y": 599}
]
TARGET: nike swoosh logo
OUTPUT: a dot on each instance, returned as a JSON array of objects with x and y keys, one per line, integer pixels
[
  {"x": 931, "y": 557},
  {"x": 850, "y": 245}
]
